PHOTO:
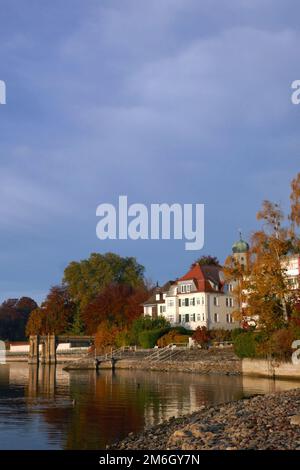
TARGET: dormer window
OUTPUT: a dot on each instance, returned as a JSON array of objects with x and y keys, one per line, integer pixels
[
  {"x": 157, "y": 297},
  {"x": 185, "y": 288}
]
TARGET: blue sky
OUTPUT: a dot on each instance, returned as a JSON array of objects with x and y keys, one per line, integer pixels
[{"x": 164, "y": 101}]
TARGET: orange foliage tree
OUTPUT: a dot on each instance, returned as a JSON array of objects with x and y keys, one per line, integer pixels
[
  {"x": 54, "y": 315},
  {"x": 118, "y": 304}
]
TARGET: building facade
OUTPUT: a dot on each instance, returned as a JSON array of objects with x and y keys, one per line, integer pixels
[{"x": 199, "y": 298}]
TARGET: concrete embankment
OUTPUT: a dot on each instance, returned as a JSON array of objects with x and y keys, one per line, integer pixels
[
  {"x": 270, "y": 368},
  {"x": 199, "y": 361},
  {"x": 262, "y": 422}
]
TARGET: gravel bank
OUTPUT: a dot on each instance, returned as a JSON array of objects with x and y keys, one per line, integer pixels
[{"x": 262, "y": 422}]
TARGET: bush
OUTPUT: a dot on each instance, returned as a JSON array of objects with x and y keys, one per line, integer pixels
[
  {"x": 281, "y": 343},
  {"x": 245, "y": 345},
  {"x": 172, "y": 337},
  {"x": 146, "y": 324},
  {"x": 219, "y": 334},
  {"x": 147, "y": 339},
  {"x": 201, "y": 336},
  {"x": 183, "y": 331},
  {"x": 237, "y": 331}
]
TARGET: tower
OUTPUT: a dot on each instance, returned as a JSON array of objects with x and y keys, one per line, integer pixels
[{"x": 240, "y": 250}]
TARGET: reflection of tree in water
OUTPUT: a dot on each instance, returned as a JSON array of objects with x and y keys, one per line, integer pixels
[
  {"x": 109, "y": 406},
  {"x": 103, "y": 412}
]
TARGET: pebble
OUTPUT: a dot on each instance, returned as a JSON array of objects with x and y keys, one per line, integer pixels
[{"x": 262, "y": 422}]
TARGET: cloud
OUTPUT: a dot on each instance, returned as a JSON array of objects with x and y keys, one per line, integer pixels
[{"x": 175, "y": 101}]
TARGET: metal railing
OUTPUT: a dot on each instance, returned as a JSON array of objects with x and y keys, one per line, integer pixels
[
  {"x": 115, "y": 353},
  {"x": 166, "y": 353}
]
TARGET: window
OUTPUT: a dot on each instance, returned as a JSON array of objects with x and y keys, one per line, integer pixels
[
  {"x": 179, "y": 302},
  {"x": 198, "y": 301},
  {"x": 193, "y": 317},
  {"x": 227, "y": 302},
  {"x": 188, "y": 288},
  {"x": 187, "y": 318},
  {"x": 227, "y": 317},
  {"x": 183, "y": 289},
  {"x": 216, "y": 301},
  {"x": 203, "y": 300},
  {"x": 162, "y": 308},
  {"x": 203, "y": 316},
  {"x": 170, "y": 303},
  {"x": 216, "y": 318},
  {"x": 186, "y": 302},
  {"x": 171, "y": 319},
  {"x": 157, "y": 297},
  {"x": 192, "y": 301},
  {"x": 198, "y": 317},
  {"x": 230, "y": 302},
  {"x": 179, "y": 318}
]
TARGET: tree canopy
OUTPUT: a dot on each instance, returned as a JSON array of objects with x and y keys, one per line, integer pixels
[
  {"x": 87, "y": 278},
  {"x": 262, "y": 286},
  {"x": 14, "y": 314},
  {"x": 207, "y": 260}
]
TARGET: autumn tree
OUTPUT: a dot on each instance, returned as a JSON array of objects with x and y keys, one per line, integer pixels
[
  {"x": 55, "y": 314},
  {"x": 295, "y": 212},
  {"x": 87, "y": 278},
  {"x": 262, "y": 286},
  {"x": 118, "y": 304},
  {"x": 14, "y": 314}
]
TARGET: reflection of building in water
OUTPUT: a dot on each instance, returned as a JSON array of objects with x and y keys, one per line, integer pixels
[
  {"x": 43, "y": 380},
  {"x": 18, "y": 373}
]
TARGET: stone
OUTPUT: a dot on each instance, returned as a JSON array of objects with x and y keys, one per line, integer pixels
[{"x": 295, "y": 420}]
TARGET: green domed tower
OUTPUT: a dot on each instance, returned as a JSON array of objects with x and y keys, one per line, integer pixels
[{"x": 240, "y": 250}]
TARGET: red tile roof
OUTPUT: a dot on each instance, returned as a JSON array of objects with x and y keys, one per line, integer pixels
[{"x": 201, "y": 275}]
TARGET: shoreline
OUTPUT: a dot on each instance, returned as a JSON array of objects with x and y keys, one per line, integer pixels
[
  {"x": 221, "y": 362},
  {"x": 261, "y": 422}
]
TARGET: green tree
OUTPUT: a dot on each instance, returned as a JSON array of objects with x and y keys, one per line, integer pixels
[{"x": 87, "y": 278}]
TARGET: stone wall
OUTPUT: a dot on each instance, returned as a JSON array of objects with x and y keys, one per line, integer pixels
[{"x": 232, "y": 367}]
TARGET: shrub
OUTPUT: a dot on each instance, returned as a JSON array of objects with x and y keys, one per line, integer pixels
[
  {"x": 148, "y": 338},
  {"x": 172, "y": 337},
  {"x": 237, "y": 331},
  {"x": 183, "y": 331},
  {"x": 201, "y": 336},
  {"x": 219, "y": 334},
  {"x": 245, "y": 345},
  {"x": 281, "y": 342},
  {"x": 146, "y": 324}
]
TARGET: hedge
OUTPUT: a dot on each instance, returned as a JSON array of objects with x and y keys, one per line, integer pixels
[{"x": 148, "y": 338}]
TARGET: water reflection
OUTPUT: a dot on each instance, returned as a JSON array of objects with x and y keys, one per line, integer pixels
[{"x": 47, "y": 408}]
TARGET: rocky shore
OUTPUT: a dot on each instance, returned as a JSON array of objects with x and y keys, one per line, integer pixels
[{"x": 262, "y": 422}]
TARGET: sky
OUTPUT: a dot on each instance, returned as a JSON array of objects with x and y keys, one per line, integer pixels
[{"x": 174, "y": 101}]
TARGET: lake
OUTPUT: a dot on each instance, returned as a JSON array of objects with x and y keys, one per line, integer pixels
[{"x": 47, "y": 408}]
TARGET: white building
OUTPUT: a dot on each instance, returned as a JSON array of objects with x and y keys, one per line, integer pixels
[{"x": 199, "y": 298}]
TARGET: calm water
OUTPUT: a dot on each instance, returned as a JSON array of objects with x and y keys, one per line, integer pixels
[{"x": 36, "y": 409}]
